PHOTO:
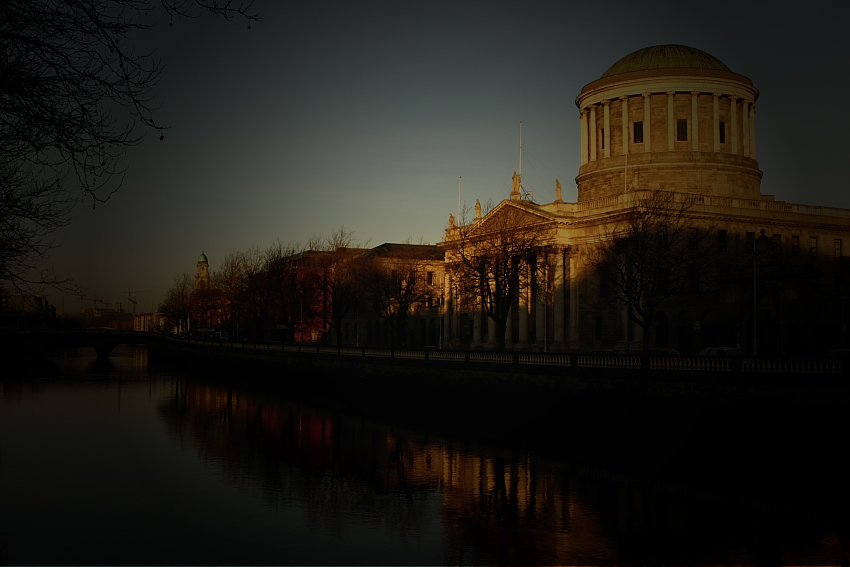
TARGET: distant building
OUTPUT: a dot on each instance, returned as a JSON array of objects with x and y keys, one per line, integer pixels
[
  {"x": 149, "y": 322},
  {"x": 673, "y": 118},
  {"x": 25, "y": 311},
  {"x": 202, "y": 278}
]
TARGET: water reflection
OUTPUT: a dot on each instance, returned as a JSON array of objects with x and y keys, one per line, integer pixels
[
  {"x": 167, "y": 467},
  {"x": 495, "y": 507}
]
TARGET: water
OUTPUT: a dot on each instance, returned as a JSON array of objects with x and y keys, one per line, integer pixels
[{"x": 129, "y": 463}]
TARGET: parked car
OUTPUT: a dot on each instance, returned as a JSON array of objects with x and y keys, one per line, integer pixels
[
  {"x": 721, "y": 351},
  {"x": 839, "y": 352},
  {"x": 608, "y": 352}
]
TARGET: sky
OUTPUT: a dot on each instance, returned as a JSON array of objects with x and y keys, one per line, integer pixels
[{"x": 366, "y": 115}]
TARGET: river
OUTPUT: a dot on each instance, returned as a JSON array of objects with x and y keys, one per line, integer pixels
[{"x": 131, "y": 462}]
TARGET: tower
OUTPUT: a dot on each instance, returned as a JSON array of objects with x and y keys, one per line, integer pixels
[{"x": 202, "y": 279}]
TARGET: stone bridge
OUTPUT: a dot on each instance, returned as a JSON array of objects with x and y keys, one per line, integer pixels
[{"x": 101, "y": 340}]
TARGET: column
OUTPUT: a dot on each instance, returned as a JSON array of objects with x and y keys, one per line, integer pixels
[
  {"x": 593, "y": 133},
  {"x": 491, "y": 331},
  {"x": 559, "y": 299},
  {"x": 583, "y": 119},
  {"x": 671, "y": 127},
  {"x": 746, "y": 130},
  {"x": 625, "y": 121},
  {"x": 715, "y": 109},
  {"x": 523, "y": 316},
  {"x": 476, "y": 322},
  {"x": 647, "y": 129},
  {"x": 733, "y": 129},
  {"x": 574, "y": 301},
  {"x": 695, "y": 120},
  {"x": 753, "y": 131},
  {"x": 509, "y": 329},
  {"x": 447, "y": 311},
  {"x": 540, "y": 315},
  {"x": 606, "y": 138}
]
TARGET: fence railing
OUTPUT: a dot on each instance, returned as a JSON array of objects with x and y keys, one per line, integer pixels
[{"x": 800, "y": 365}]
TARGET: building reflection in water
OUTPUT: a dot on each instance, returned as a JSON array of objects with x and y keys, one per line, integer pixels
[{"x": 497, "y": 508}]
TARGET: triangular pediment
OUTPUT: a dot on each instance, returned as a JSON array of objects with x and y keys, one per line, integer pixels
[{"x": 511, "y": 213}]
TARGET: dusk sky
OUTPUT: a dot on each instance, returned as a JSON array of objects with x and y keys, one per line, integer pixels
[{"x": 365, "y": 116}]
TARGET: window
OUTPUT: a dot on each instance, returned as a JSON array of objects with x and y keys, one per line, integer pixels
[
  {"x": 430, "y": 278},
  {"x": 693, "y": 238},
  {"x": 751, "y": 242},
  {"x": 722, "y": 132},
  {"x": 682, "y": 130},
  {"x": 813, "y": 246},
  {"x": 776, "y": 243},
  {"x": 602, "y": 136},
  {"x": 838, "y": 248},
  {"x": 598, "y": 328},
  {"x": 637, "y": 128},
  {"x": 795, "y": 245},
  {"x": 604, "y": 284},
  {"x": 722, "y": 240}
]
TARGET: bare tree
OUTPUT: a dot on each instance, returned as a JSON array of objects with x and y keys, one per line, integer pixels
[
  {"x": 334, "y": 279},
  {"x": 395, "y": 281},
  {"x": 285, "y": 290},
  {"x": 74, "y": 95},
  {"x": 492, "y": 259},
  {"x": 178, "y": 302},
  {"x": 657, "y": 250},
  {"x": 228, "y": 282}
]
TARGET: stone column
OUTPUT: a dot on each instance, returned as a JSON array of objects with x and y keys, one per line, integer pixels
[
  {"x": 753, "y": 131},
  {"x": 593, "y": 133},
  {"x": 559, "y": 300},
  {"x": 476, "y": 323},
  {"x": 606, "y": 138},
  {"x": 671, "y": 125},
  {"x": 491, "y": 331},
  {"x": 509, "y": 329},
  {"x": 573, "y": 302},
  {"x": 746, "y": 132},
  {"x": 625, "y": 121},
  {"x": 447, "y": 311},
  {"x": 715, "y": 109},
  {"x": 647, "y": 129},
  {"x": 540, "y": 304},
  {"x": 733, "y": 130},
  {"x": 695, "y": 120},
  {"x": 523, "y": 317},
  {"x": 583, "y": 120}
]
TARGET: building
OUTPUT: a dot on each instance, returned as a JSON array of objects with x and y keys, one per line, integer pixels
[
  {"x": 202, "y": 278},
  {"x": 664, "y": 120}
]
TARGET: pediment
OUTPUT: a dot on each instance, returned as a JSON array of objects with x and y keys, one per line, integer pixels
[{"x": 510, "y": 214}]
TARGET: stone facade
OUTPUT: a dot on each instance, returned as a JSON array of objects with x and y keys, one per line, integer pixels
[{"x": 690, "y": 128}]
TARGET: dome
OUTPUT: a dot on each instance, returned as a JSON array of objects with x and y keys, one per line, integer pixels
[
  {"x": 203, "y": 258},
  {"x": 665, "y": 57}
]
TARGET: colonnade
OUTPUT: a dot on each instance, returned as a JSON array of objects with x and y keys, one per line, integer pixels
[
  {"x": 589, "y": 131},
  {"x": 533, "y": 310}
]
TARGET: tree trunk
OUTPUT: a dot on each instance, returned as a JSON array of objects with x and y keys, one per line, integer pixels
[{"x": 501, "y": 326}]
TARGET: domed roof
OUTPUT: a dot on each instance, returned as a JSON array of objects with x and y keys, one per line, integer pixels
[
  {"x": 203, "y": 258},
  {"x": 665, "y": 57}
]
